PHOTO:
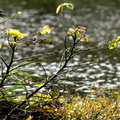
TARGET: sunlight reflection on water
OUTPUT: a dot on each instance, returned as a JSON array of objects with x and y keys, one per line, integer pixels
[{"x": 103, "y": 25}]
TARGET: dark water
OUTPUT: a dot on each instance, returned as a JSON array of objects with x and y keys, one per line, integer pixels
[{"x": 102, "y": 21}]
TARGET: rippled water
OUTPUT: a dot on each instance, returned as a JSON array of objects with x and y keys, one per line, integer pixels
[{"x": 103, "y": 24}]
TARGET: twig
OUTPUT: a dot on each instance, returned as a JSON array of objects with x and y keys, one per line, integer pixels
[
  {"x": 4, "y": 61},
  {"x": 8, "y": 67}
]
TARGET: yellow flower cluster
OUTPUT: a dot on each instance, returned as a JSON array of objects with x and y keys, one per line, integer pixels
[{"x": 15, "y": 33}]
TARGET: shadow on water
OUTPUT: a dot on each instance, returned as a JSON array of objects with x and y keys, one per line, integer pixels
[{"x": 100, "y": 17}]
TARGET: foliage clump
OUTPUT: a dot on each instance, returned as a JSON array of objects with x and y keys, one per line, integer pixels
[{"x": 99, "y": 108}]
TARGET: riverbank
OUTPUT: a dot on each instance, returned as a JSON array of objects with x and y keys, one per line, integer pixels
[{"x": 104, "y": 104}]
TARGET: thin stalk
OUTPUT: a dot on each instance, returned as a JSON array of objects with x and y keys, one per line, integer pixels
[
  {"x": 8, "y": 67},
  {"x": 4, "y": 61}
]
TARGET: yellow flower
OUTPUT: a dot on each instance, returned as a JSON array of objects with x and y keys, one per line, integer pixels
[
  {"x": 19, "y": 12},
  {"x": 45, "y": 29},
  {"x": 15, "y": 33}
]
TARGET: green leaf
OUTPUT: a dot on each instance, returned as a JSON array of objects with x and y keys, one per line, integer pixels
[
  {"x": 12, "y": 88},
  {"x": 76, "y": 31},
  {"x": 70, "y": 6},
  {"x": 39, "y": 83},
  {"x": 61, "y": 6},
  {"x": 47, "y": 41},
  {"x": 54, "y": 94},
  {"x": 13, "y": 79},
  {"x": 58, "y": 8},
  {"x": 46, "y": 29},
  {"x": 18, "y": 99},
  {"x": 84, "y": 39},
  {"x": 23, "y": 73},
  {"x": 36, "y": 79},
  {"x": 112, "y": 45},
  {"x": 114, "y": 40},
  {"x": 19, "y": 72},
  {"x": 13, "y": 71}
]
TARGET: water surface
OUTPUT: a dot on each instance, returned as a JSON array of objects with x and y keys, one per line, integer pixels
[{"x": 102, "y": 22}]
